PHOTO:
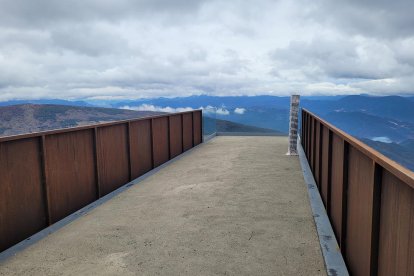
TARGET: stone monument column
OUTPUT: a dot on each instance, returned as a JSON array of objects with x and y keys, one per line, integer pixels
[{"x": 293, "y": 125}]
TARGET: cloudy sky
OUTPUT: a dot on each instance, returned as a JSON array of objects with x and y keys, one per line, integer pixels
[{"x": 101, "y": 49}]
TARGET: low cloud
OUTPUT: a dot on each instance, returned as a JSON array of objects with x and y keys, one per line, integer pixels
[
  {"x": 150, "y": 107},
  {"x": 383, "y": 139},
  {"x": 240, "y": 110},
  {"x": 208, "y": 109},
  {"x": 222, "y": 111}
]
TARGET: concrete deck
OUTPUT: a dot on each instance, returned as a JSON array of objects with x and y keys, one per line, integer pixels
[{"x": 233, "y": 206}]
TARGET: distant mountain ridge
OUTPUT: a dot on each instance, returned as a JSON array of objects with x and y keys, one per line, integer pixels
[
  {"x": 387, "y": 119},
  {"x": 46, "y": 101},
  {"x": 27, "y": 118}
]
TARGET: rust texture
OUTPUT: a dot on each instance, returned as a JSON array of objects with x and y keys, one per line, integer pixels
[
  {"x": 176, "y": 135},
  {"x": 160, "y": 141},
  {"x": 369, "y": 199},
  {"x": 359, "y": 212},
  {"x": 70, "y": 172},
  {"x": 187, "y": 131},
  {"x": 112, "y": 147},
  {"x": 140, "y": 147},
  {"x": 22, "y": 204},
  {"x": 324, "y": 160},
  {"x": 396, "y": 242},
  {"x": 197, "y": 128},
  {"x": 317, "y": 153},
  {"x": 46, "y": 176},
  {"x": 337, "y": 185}
]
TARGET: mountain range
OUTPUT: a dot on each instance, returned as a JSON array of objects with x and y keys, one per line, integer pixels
[
  {"x": 28, "y": 118},
  {"x": 385, "y": 123}
]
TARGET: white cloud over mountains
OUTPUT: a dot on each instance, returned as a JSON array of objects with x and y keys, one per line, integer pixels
[
  {"x": 150, "y": 107},
  {"x": 150, "y": 48},
  {"x": 240, "y": 110},
  {"x": 207, "y": 109}
]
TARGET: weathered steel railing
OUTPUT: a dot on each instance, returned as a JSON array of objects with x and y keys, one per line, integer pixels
[
  {"x": 368, "y": 197},
  {"x": 46, "y": 176}
]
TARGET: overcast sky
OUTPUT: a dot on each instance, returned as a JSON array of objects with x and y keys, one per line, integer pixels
[{"x": 101, "y": 49}]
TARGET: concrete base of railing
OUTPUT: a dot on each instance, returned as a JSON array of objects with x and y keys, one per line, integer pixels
[{"x": 334, "y": 262}]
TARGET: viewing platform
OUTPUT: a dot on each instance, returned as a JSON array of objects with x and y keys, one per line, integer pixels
[{"x": 230, "y": 206}]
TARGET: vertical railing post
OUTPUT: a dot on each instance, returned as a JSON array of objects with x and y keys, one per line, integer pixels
[
  {"x": 376, "y": 214},
  {"x": 302, "y": 128},
  {"x": 309, "y": 131},
  {"x": 169, "y": 136},
  {"x": 319, "y": 172},
  {"x": 192, "y": 123},
  {"x": 129, "y": 151},
  {"x": 45, "y": 183},
  {"x": 152, "y": 143},
  {"x": 201, "y": 126},
  {"x": 96, "y": 160},
  {"x": 293, "y": 125},
  {"x": 315, "y": 122},
  {"x": 182, "y": 132},
  {"x": 329, "y": 165},
  {"x": 344, "y": 216}
]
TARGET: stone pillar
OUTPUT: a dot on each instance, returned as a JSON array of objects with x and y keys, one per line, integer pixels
[{"x": 293, "y": 125}]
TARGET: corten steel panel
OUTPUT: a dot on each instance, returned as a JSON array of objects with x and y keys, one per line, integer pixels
[
  {"x": 197, "y": 127},
  {"x": 317, "y": 148},
  {"x": 325, "y": 167},
  {"x": 359, "y": 212},
  {"x": 312, "y": 145},
  {"x": 187, "y": 131},
  {"x": 310, "y": 142},
  {"x": 70, "y": 170},
  {"x": 307, "y": 135},
  {"x": 315, "y": 145},
  {"x": 396, "y": 242},
  {"x": 112, "y": 153},
  {"x": 176, "y": 136},
  {"x": 22, "y": 201},
  {"x": 303, "y": 129},
  {"x": 160, "y": 140},
  {"x": 337, "y": 186},
  {"x": 140, "y": 147}
]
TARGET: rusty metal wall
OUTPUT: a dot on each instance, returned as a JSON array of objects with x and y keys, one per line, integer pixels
[
  {"x": 176, "y": 135},
  {"x": 23, "y": 210},
  {"x": 325, "y": 164},
  {"x": 312, "y": 144},
  {"x": 396, "y": 241},
  {"x": 337, "y": 187},
  {"x": 113, "y": 160},
  {"x": 318, "y": 148},
  {"x": 160, "y": 141},
  {"x": 369, "y": 199},
  {"x": 49, "y": 175},
  {"x": 70, "y": 172},
  {"x": 359, "y": 212},
  {"x": 140, "y": 139},
  {"x": 187, "y": 131},
  {"x": 197, "y": 127}
]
